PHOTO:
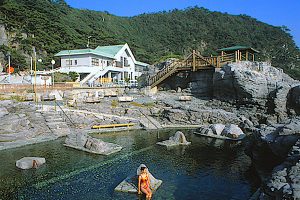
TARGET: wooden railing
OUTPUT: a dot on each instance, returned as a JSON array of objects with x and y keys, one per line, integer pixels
[{"x": 196, "y": 61}]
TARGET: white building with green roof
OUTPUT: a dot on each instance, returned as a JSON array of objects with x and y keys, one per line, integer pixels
[{"x": 115, "y": 62}]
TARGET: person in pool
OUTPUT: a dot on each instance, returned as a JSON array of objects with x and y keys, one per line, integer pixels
[{"x": 144, "y": 183}]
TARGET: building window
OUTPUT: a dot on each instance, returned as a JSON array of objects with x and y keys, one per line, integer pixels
[
  {"x": 69, "y": 62},
  {"x": 95, "y": 61},
  {"x": 75, "y": 62},
  {"x": 122, "y": 63},
  {"x": 126, "y": 64}
]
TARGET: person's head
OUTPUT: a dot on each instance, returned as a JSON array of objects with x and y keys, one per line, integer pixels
[{"x": 143, "y": 169}]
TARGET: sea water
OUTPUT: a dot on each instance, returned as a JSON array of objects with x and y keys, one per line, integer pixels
[{"x": 206, "y": 169}]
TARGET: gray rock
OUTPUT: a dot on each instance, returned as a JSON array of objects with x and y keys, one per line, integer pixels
[
  {"x": 89, "y": 144},
  {"x": 220, "y": 131},
  {"x": 30, "y": 162},
  {"x": 130, "y": 184},
  {"x": 177, "y": 139},
  {"x": 3, "y": 112},
  {"x": 257, "y": 84},
  {"x": 232, "y": 131},
  {"x": 294, "y": 99},
  {"x": 217, "y": 128}
]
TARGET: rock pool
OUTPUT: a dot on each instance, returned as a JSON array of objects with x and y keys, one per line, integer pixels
[{"x": 206, "y": 169}]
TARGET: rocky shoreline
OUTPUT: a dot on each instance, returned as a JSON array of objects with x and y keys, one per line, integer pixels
[{"x": 260, "y": 99}]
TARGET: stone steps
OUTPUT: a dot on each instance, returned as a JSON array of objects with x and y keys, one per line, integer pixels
[
  {"x": 56, "y": 124},
  {"x": 149, "y": 122}
]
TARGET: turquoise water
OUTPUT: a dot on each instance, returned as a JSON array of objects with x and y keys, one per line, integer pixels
[{"x": 207, "y": 169}]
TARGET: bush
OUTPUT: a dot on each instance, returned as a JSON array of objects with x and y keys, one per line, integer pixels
[{"x": 64, "y": 77}]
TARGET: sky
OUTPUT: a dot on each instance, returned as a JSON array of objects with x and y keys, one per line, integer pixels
[{"x": 274, "y": 12}]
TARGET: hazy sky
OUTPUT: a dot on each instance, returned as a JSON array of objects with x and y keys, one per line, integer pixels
[{"x": 274, "y": 12}]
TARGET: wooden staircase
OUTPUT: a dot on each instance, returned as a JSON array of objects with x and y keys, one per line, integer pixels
[{"x": 193, "y": 62}]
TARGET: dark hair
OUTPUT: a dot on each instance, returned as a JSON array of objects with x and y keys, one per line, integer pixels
[{"x": 142, "y": 168}]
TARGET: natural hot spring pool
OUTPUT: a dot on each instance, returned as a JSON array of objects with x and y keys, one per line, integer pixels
[{"x": 207, "y": 169}]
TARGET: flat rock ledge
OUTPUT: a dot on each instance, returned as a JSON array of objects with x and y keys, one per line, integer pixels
[
  {"x": 176, "y": 140},
  {"x": 30, "y": 162},
  {"x": 221, "y": 131},
  {"x": 89, "y": 144}
]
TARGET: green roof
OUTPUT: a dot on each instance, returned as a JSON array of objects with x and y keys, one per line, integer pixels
[
  {"x": 109, "y": 50},
  {"x": 141, "y": 63},
  {"x": 105, "y": 51},
  {"x": 235, "y": 48}
]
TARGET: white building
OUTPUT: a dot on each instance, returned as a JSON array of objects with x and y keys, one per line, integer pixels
[{"x": 103, "y": 64}]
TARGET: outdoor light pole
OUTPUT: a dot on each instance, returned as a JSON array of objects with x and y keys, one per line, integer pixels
[
  {"x": 52, "y": 62},
  {"x": 88, "y": 44},
  {"x": 35, "y": 91},
  {"x": 8, "y": 55}
]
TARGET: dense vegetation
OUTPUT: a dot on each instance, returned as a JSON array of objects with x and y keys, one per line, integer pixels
[{"x": 52, "y": 25}]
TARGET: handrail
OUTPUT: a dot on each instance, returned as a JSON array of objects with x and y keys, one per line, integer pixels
[
  {"x": 192, "y": 63},
  {"x": 147, "y": 117},
  {"x": 65, "y": 114}
]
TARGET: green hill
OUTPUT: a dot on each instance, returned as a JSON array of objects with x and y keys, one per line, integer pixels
[{"x": 52, "y": 25}]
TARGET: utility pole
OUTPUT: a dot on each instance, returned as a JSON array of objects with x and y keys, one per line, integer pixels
[
  {"x": 8, "y": 55},
  {"x": 35, "y": 95},
  {"x": 52, "y": 62}
]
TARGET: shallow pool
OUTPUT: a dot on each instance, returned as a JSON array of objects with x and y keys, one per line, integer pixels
[{"x": 207, "y": 169}]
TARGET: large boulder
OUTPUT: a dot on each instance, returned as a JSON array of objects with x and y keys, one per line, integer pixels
[
  {"x": 232, "y": 131},
  {"x": 279, "y": 146},
  {"x": 130, "y": 184},
  {"x": 30, "y": 162},
  {"x": 285, "y": 180},
  {"x": 294, "y": 99},
  {"x": 89, "y": 144},
  {"x": 217, "y": 128},
  {"x": 254, "y": 83},
  {"x": 177, "y": 139},
  {"x": 220, "y": 131}
]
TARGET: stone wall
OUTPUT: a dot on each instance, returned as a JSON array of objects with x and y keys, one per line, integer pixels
[{"x": 202, "y": 83}]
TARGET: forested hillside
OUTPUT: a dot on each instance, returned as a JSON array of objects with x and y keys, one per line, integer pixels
[{"x": 52, "y": 25}]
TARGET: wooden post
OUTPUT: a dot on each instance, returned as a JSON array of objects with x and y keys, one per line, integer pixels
[
  {"x": 246, "y": 55},
  {"x": 194, "y": 60},
  {"x": 235, "y": 56},
  {"x": 253, "y": 58}
]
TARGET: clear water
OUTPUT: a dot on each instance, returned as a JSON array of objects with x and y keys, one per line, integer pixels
[{"x": 207, "y": 169}]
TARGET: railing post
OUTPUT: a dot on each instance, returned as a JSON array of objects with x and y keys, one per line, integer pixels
[{"x": 194, "y": 60}]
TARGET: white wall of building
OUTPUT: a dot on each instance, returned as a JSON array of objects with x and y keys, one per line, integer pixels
[
  {"x": 82, "y": 60},
  {"x": 131, "y": 68},
  {"x": 40, "y": 80}
]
